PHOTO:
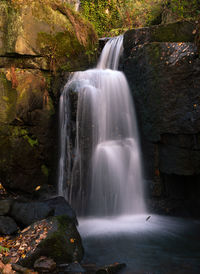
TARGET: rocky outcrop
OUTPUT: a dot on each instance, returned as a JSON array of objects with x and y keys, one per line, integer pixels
[
  {"x": 49, "y": 229},
  {"x": 26, "y": 213},
  {"x": 163, "y": 70},
  {"x": 40, "y": 43},
  {"x": 56, "y": 238}
]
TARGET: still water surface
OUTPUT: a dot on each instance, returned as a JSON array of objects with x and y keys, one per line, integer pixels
[{"x": 160, "y": 245}]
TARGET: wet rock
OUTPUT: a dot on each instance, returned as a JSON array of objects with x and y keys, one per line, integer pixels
[
  {"x": 181, "y": 31},
  {"x": 61, "y": 207},
  {"x": 5, "y": 206},
  {"x": 28, "y": 213},
  {"x": 44, "y": 264},
  {"x": 21, "y": 269},
  {"x": 7, "y": 225},
  {"x": 162, "y": 66},
  {"x": 163, "y": 71},
  {"x": 55, "y": 237},
  {"x": 73, "y": 268},
  {"x": 114, "y": 268}
]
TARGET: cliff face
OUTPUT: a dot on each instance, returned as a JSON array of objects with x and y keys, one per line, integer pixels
[
  {"x": 163, "y": 69},
  {"x": 40, "y": 43}
]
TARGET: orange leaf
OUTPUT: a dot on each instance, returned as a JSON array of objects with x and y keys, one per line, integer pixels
[{"x": 37, "y": 188}]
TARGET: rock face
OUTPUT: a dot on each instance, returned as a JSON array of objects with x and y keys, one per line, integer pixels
[
  {"x": 40, "y": 43},
  {"x": 163, "y": 70}
]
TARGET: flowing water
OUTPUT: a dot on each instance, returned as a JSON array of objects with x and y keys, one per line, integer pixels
[
  {"x": 105, "y": 185},
  {"x": 107, "y": 177}
]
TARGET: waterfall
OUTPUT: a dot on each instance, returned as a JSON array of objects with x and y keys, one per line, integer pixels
[{"x": 106, "y": 178}]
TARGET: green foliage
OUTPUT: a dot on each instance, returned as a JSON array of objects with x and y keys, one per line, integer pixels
[
  {"x": 3, "y": 249},
  {"x": 184, "y": 9},
  {"x": 103, "y": 15},
  {"x": 21, "y": 132},
  {"x": 115, "y": 16},
  {"x": 32, "y": 142}
]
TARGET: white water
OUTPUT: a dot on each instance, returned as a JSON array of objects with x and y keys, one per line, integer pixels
[
  {"x": 107, "y": 176},
  {"x": 107, "y": 179}
]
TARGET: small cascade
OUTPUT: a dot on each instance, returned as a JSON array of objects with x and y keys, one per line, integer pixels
[{"x": 106, "y": 178}]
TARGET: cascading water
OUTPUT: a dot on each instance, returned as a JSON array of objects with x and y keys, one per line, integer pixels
[{"x": 106, "y": 178}]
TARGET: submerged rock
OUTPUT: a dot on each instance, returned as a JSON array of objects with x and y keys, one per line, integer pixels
[
  {"x": 44, "y": 264},
  {"x": 113, "y": 268},
  {"x": 73, "y": 268}
]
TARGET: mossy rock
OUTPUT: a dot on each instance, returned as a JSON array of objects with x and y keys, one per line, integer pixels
[
  {"x": 21, "y": 93},
  {"x": 59, "y": 240},
  {"x": 26, "y": 128},
  {"x": 8, "y": 99},
  {"x": 54, "y": 31},
  {"x": 181, "y": 31}
]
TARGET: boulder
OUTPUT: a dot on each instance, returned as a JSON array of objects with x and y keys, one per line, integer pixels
[
  {"x": 5, "y": 206},
  {"x": 44, "y": 264},
  {"x": 55, "y": 237},
  {"x": 60, "y": 207},
  {"x": 181, "y": 31},
  {"x": 7, "y": 225},
  {"x": 26, "y": 213}
]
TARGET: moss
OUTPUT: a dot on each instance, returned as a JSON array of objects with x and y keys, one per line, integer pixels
[
  {"x": 13, "y": 27},
  {"x": 63, "y": 222},
  {"x": 63, "y": 231},
  {"x": 32, "y": 142},
  {"x": 174, "y": 32},
  {"x": 57, "y": 47},
  {"x": 45, "y": 170},
  {"x": 8, "y": 99},
  {"x": 18, "y": 131}
]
